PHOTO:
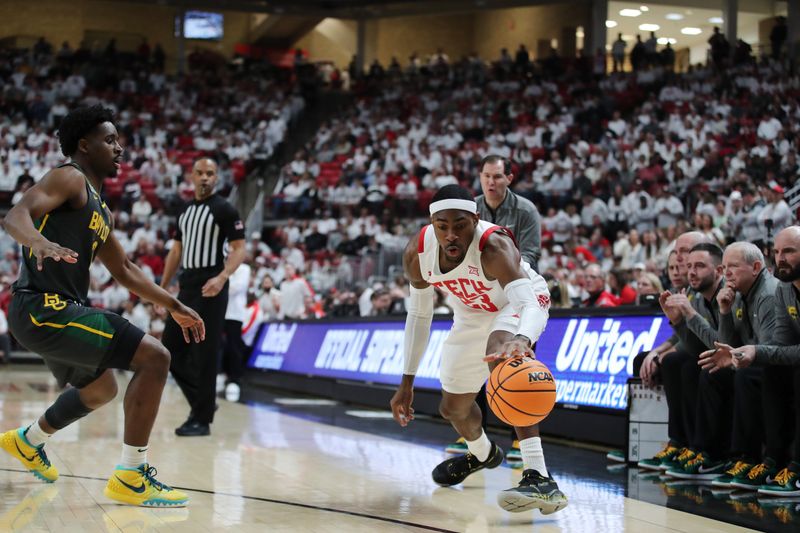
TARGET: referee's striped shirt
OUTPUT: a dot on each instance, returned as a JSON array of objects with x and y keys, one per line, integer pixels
[{"x": 203, "y": 228}]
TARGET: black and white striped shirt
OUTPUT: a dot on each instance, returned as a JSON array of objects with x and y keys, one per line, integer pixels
[{"x": 203, "y": 229}]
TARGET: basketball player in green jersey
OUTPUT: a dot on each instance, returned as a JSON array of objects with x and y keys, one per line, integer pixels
[{"x": 62, "y": 225}]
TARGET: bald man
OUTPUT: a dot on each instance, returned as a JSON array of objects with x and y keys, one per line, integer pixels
[{"x": 780, "y": 359}]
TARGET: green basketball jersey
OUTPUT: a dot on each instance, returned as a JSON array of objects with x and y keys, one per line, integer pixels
[{"x": 82, "y": 230}]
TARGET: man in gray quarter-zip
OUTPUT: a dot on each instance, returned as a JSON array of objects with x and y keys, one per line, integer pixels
[
  {"x": 728, "y": 420},
  {"x": 780, "y": 358},
  {"x": 503, "y": 207}
]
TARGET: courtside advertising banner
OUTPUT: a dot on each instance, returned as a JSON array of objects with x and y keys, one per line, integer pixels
[{"x": 590, "y": 357}]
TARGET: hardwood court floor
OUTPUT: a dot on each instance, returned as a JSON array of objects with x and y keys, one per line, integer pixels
[{"x": 265, "y": 470}]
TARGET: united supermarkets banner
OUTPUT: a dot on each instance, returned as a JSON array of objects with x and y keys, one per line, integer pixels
[{"x": 591, "y": 357}]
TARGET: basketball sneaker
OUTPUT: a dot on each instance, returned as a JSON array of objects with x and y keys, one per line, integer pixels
[
  {"x": 678, "y": 461},
  {"x": 761, "y": 474},
  {"x": 617, "y": 456},
  {"x": 733, "y": 469},
  {"x": 654, "y": 463},
  {"x": 32, "y": 457},
  {"x": 786, "y": 483},
  {"x": 514, "y": 454},
  {"x": 701, "y": 468},
  {"x": 533, "y": 492},
  {"x": 459, "y": 447},
  {"x": 454, "y": 471},
  {"x": 138, "y": 486}
]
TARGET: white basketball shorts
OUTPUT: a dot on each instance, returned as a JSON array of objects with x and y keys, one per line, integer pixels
[{"x": 462, "y": 368}]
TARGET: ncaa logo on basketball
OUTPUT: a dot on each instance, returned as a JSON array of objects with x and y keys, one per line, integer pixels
[{"x": 540, "y": 375}]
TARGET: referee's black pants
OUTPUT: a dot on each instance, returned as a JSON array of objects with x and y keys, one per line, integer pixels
[
  {"x": 194, "y": 365},
  {"x": 781, "y": 399},
  {"x": 680, "y": 374}
]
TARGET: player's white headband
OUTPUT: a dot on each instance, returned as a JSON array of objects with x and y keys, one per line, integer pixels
[{"x": 453, "y": 203}]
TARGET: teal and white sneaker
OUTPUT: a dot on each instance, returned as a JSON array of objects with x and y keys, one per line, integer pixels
[
  {"x": 701, "y": 468},
  {"x": 654, "y": 463},
  {"x": 786, "y": 483},
  {"x": 733, "y": 469},
  {"x": 514, "y": 454},
  {"x": 616, "y": 456},
  {"x": 761, "y": 474},
  {"x": 457, "y": 447},
  {"x": 678, "y": 461}
]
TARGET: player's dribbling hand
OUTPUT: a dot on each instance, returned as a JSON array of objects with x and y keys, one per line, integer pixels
[
  {"x": 402, "y": 411},
  {"x": 52, "y": 250},
  {"x": 511, "y": 349},
  {"x": 190, "y": 322}
]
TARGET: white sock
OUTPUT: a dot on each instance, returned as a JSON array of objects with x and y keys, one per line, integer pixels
[
  {"x": 133, "y": 456},
  {"x": 480, "y": 447},
  {"x": 533, "y": 455},
  {"x": 36, "y": 435}
]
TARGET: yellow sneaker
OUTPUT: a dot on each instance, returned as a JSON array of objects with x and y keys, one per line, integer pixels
[
  {"x": 32, "y": 457},
  {"x": 138, "y": 486}
]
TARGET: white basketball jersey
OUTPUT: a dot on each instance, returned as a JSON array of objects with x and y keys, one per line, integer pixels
[{"x": 468, "y": 288}]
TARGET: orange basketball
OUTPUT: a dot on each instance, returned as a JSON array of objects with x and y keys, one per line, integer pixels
[{"x": 521, "y": 391}]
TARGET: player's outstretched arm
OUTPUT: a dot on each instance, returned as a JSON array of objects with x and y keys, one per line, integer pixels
[
  {"x": 131, "y": 277},
  {"x": 417, "y": 330},
  {"x": 529, "y": 297},
  {"x": 59, "y": 186}
]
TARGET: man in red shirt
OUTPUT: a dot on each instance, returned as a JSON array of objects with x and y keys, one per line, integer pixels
[{"x": 596, "y": 287}]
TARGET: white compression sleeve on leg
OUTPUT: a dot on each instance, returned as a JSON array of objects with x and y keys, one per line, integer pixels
[
  {"x": 418, "y": 327},
  {"x": 532, "y": 302}
]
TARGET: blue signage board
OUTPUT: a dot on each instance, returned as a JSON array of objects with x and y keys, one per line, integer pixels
[{"x": 590, "y": 357}]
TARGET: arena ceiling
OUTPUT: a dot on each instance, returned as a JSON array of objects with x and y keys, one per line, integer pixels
[{"x": 347, "y": 9}]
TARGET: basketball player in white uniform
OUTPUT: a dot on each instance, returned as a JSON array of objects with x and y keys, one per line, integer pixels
[{"x": 500, "y": 309}]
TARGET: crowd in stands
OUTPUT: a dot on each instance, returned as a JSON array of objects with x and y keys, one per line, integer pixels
[
  {"x": 237, "y": 113},
  {"x": 618, "y": 164}
]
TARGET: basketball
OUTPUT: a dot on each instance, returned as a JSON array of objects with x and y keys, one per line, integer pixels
[{"x": 521, "y": 391}]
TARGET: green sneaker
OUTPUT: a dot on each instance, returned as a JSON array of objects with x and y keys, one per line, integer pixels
[
  {"x": 701, "y": 468},
  {"x": 459, "y": 447},
  {"x": 679, "y": 460},
  {"x": 514, "y": 455},
  {"x": 655, "y": 462},
  {"x": 733, "y": 469},
  {"x": 786, "y": 483},
  {"x": 761, "y": 474},
  {"x": 617, "y": 456}
]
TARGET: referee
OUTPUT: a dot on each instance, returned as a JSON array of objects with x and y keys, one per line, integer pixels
[{"x": 203, "y": 228}]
